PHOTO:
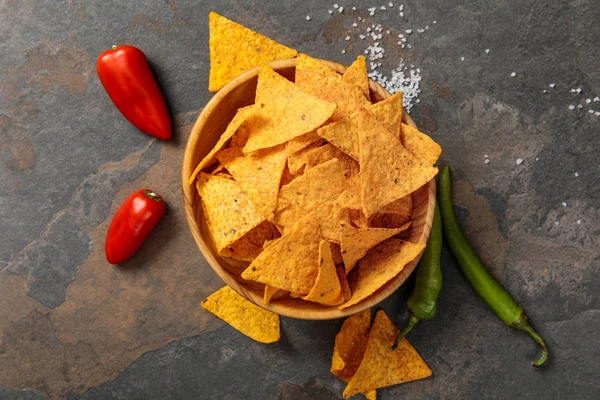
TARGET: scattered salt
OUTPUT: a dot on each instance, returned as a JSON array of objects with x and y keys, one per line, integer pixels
[
  {"x": 537, "y": 159},
  {"x": 578, "y": 222},
  {"x": 579, "y": 106},
  {"x": 420, "y": 30},
  {"x": 597, "y": 113},
  {"x": 487, "y": 51},
  {"x": 591, "y": 111},
  {"x": 372, "y": 10},
  {"x": 353, "y": 8},
  {"x": 519, "y": 161},
  {"x": 341, "y": 9},
  {"x": 573, "y": 91},
  {"x": 335, "y": 5},
  {"x": 462, "y": 59},
  {"x": 588, "y": 101},
  {"x": 401, "y": 7},
  {"x": 388, "y": 31},
  {"x": 576, "y": 174},
  {"x": 564, "y": 204},
  {"x": 390, "y": 4},
  {"x": 330, "y": 12},
  {"x": 544, "y": 91},
  {"x": 426, "y": 27},
  {"x": 401, "y": 14},
  {"x": 485, "y": 156},
  {"x": 362, "y": 37},
  {"x": 347, "y": 38},
  {"x": 513, "y": 74},
  {"x": 552, "y": 85},
  {"x": 571, "y": 107},
  {"x": 383, "y": 8},
  {"x": 354, "y": 24},
  {"x": 409, "y": 31},
  {"x": 578, "y": 90},
  {"x": 308, "y": 17},
  {"x": 486, "y": 161},
  {"x": 435, "y": 22},
  {"x": 596, "y": 98},
  {"x": 556, "y": 223}
]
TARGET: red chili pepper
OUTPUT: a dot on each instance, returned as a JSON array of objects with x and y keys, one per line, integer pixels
[
  {"x": 126, "y": 76},
  {"x": 132, "y": 224}
]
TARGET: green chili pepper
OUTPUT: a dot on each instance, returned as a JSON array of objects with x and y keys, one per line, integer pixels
[
  {"x": 422, "y": 303},
  {"x": 488, "y": 288}
]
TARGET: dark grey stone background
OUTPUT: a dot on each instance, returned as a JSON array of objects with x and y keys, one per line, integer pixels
[{"x": 73, "y": 327}]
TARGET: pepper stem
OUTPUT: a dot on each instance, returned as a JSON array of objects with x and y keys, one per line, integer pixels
[
  {"x": 412, "y": 321},
  {"x": 151, "y": 195},
  {"x": 523, "y": 325},
  {"x": 114, "y": 46}
]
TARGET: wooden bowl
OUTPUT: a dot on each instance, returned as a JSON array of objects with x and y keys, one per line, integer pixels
[{"x": 209, "y": 126}]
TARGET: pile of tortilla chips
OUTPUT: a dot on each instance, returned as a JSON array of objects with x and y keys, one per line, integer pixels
[
  {"x": 363, "y": 358},
  {"x": 312, "y": 183}
]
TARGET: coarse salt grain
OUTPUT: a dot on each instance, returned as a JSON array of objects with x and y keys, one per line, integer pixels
[
  {"x": 372, "y": 10},
  {"x": 578, "y": 222},
  {"x": 383, "y": 8},
  {"x": 596, "y": 98},
  {"x": 573, "y": 90},
  {"x": 330, "y": 12},
  {"x": 343, "y": 51},
  {"x": 462, "y": 59},
  {"x": 401, "y": 7},
  {"x": 519, "y": 161},
  {"x": 486, "y": 161},
  {"x": 513, "y": 74},
  {"x": 556, "y": 223},
  {"x": 401, "y": 14},
  {"x": 597, "y": 113},
  {"x": 420, "y": 30},
  {"x": 588, "y": 101},
  {"x": 487, "y": 51},
  {"x": 353, "y": 8},
  {"x": 390, "y": 4},
  {"x": 564, "y": 204},
  {"x": 579, "y": 106},
  {"x": 341, "y": 9},
  {"x": 434, "y": 21},
  {"x": 576, "y": 174},
  {"x": 544, "y": 91},
  {"x": 485, "y": 156},
  {"x": 409, "y": 31},
  {"x": 335, "y": 5},
  {"x": 591, "y": 111},
  {"x": 578, "y": 90},
  {"x": 388, "y": 31},
  {"x": 347, "y": 38},
  {"x": 308, "y": 17},
  {"x": 571, "y": 107},
  {"x": 354, "y": 24},
  {"x": 362, "y": 37},
  {"x": 552, "y": 85}
]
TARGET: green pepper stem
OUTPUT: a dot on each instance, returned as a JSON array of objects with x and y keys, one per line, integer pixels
[
  {"x": 523, "y": 325},
  {"x": 412, "y": 321}
]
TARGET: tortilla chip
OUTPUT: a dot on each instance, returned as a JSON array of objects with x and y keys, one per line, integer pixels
[
  {"x": 312, "y": 156},
  {"x": 251, "y": 245},
  {"x": 420, "y": 145},
  {"x": 269, "y": 292},
  {"x": 286, "y": 177},
  {"x": 288, "y": 111},
  {"x": 331, "y": 217},
  {"x": 355, "y": 242},
  {"x": 343, "y": 135},
  {"x": 320, "y": 80},
  {"x": 356, "y": 74},
  {"x": 389, "y": 113},
  {"x": 383, "y": 367},
  {"x": 319, "y": 185},
  {"x": 300, "y": 142},
  {"x": 387, "y": 166},
  {"x": 235, "y": 49},
  {"x": 336, "y": 253},
  {"x": 228, "y": 211},
  {"x": 358, "y": 219},
  {"x": 350, "y": 345},
  {"x": 327, "y": 289},
  {"x": 390, "y": 221},
  {"x": 251, "y": 320},
  {"x": 240, "y": 117},
  {"x": 402, "y": 206},
  {"x": 346, "y": 292},
  {"x": 291, "y": 262},
  {"x": 258, "y": 173},
  {"x": 382, "y": 263}
]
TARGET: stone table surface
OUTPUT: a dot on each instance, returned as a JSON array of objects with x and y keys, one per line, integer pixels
[{"x": 72, "y": 326}]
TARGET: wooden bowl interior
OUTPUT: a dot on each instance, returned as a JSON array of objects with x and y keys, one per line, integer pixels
[{"x": 209, "y": 126}]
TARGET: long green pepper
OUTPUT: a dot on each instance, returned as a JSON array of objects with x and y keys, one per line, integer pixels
[
  {"x": 488, "y": 288},
  {"x": 422, "y": 303}
]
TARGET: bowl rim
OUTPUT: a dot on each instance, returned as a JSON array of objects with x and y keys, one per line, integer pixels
[{"x": 187, "y": 196}]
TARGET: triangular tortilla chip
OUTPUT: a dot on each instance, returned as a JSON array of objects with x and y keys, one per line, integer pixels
[
  {"x": 235, "y": 49},
  {"x": 350, "y": 345},
  {"x": 402, "y": 206},
  {"x": 251, "y": 320},
  {"x": 382, "y": 263},
  {"x": 327, "y": 289},
  {"x": 320, "y": 80},
  {"x": 228, "y": 211},
  {"x": 356, "y": 74},
  {"x": 420, "y": 145},
  {"x": 240, "y": 117},
  {"x": 291, "y": 262},
  {"x": 288, "y": 111},
  {"x": 258, "y": 173},
  {"x": 310, "y": 157},
  {"x": 300, "y": 142},
  {"x": 380, "y": 366},
  {"x": 331, "y": 216},
  {"x": 346, "y": 292},
  {"x": 389, "y": 112},
  {"x": 386, "y": 165},
  {"x": 336, "y": 253},
  {"x": 356, "y": 242},
  {"x": 343, "y": 135},
  {"x": 269, "y": 292},
  {"x": 251, "y": 244},
  {"x": 319, "y": 185}
]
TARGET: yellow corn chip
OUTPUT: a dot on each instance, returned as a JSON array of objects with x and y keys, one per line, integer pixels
[
  {"x": 240, "y": 117},
  {"x": 355, "y": 242},
  {"x": 346, "y": 292},
  {"x": 319, "y": 185},
  {"x": 330, "y": 217},
  {"x": 251, "y": 320},
  {"x": 320, "y": 80},
  {"x": 402, "y": 206},
  {"x": 380, "y": 366},
  {"x": 291, "y": 262},
  {"x": 387, "y": 166},
  {"x": 235, "y": 49},
  {"x": 343, "y": 135},
  {"x": 382, "y": 263},
  {"x": 258, "y": 174},
  {"x": 327, "y": 289},
  {"x": 286, "y": 177},
  {"x": 310, "y": 157},
  {"x": 389, "y": 113},
  {"x": 350, "y": 345},
  {"x": 229, "y": 212},
  {"x": 336, "y": 253},
  {"x": 269, "y": 292},
  {"x": 288, "y": 111},
  {"x": 249, "y": 247},
  {"x": 300, "y": 142},
  {"x": 357, "y": 217},
  {"x": 420, "y": 145},
  {"x": 356, "y": 74}
]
